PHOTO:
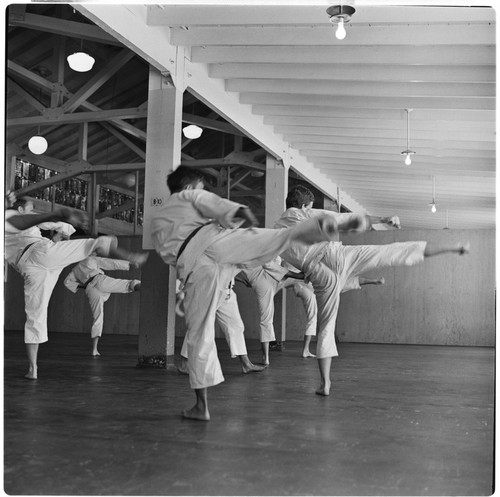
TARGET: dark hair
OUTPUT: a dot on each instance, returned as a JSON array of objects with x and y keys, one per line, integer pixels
[
  {"x": 299, "y": 196},
  {"x": 182, "y": 176},
  {"x": 21, "y": 202}
]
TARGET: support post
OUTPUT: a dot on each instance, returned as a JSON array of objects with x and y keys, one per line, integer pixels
[
  {"x": 163, "y": 155},
  {"x": 276, "y": 192}
]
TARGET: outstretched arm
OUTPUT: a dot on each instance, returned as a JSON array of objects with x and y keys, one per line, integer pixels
[{"x": 78, "y": 219}]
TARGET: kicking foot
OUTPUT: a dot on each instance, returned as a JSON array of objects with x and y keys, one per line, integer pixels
[
  {"x": 359, "y": 222},
  {"x": 380, "y": 281},
  {"x": 196, "y": 413},
  {"x": 138, "y": 259},
  {"x": 307, "y": 354},
  {"x": 328, "y": 225},
  {"x": 76, "y": 218},
  {"x": 323, "y": 390},
  {"x": 249, "y": 367},
  {"x": 464, "y": 248}
]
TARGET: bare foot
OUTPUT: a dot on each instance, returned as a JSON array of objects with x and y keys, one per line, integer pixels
[
  {"x": 359, "y": 222},
  {"x": 307, "y": 354},
  {"x": 380, "y": 281},
  {"x": 248, "y": 367},
  {"x": 328, "y": 225},
  {"x": 196, "y": 413},
  {"x": 31, "y": 374},
  {"x": 95, "y": 353},
  {"x": 265, "y": 361},
  {"x": 323, "y": 390},
  {"x": 182, "y": 367}
]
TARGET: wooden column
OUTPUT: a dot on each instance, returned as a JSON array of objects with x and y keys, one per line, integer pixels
[
  {"x": 163, "y": 155},
  {"x": 276, "y": 192}
]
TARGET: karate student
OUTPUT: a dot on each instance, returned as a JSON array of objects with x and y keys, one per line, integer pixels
[
  {"x": 40, "y": 262},
  {"x": 89, "y": 276},
  {"x": 197, "y": 231},
  {"x": 305, "y": 292},
  {"x": 266, "y": 281},
  {"x": 329, "y": 265},
  {"x": 229, "y": 319}
]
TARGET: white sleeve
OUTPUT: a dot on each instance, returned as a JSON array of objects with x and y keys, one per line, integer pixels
[{"x": 71, "y": 283}]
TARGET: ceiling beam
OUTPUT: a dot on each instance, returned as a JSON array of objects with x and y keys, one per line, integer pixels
[
  {"x": 388, "y": 34},
  {"x": 313, "y": 12},
  {"x": 362, "y": 72},
  {"x": 382, "y": 114},
  {"x": 63, "y": 27},
  {"x": 409, "y": 102},
  {"x": 335, "y": 54},
  {"x": 51, "y": 117}
]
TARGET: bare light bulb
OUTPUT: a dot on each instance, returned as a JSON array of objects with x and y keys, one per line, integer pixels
[
  {"x": 408, "y": 159},
  {"x": 433, "y": 208},
  {"x": 341, "y": 32}
]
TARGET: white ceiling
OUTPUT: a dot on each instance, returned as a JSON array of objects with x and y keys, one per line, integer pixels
[{"x": 334, "y": 110}]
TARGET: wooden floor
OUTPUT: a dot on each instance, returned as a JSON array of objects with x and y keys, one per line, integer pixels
[{"x": 401, "y": 420}]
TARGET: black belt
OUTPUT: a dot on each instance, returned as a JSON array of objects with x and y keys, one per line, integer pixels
[
  {"x": 25, "y": 249},
  {"x": 87, "y": 283},
  {"x": 188, "y": 239}
]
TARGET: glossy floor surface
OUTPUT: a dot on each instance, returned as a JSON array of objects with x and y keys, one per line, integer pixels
[{"x": 400, "y": 420}]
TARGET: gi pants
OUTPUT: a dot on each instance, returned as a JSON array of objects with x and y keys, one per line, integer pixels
[
  {"x": 98, "y": 291},
  {"x": 229, "y": 319},
  {"x": 305, "y": 292},
  {"x": 41, "y": 266},
  {"x": 341, "y": 263},
  {"x": 211, "y": 272}
]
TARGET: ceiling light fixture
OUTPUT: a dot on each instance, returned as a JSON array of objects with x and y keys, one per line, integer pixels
[
  {"x": 433, "y": 203},
  {"x": 408, "y": 152},
  {"x": 339, "y": 15},
  {"x": 80, "y": 61},
  {"x": 192, "y": 131},
  {"x": 37, "y": 144}
]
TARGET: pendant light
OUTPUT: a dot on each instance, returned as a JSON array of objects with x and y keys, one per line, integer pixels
[
  {"x": 80, "y": 61},
  {"x": 37, "y": 144},
  {"x": 339, "y": 15},
  {"x": 192, "y": 131},
  {"x": 408, "y": 153},
  {"x": 433, "y": 203}
]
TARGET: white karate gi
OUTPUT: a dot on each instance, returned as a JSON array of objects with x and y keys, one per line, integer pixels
[
  {"x": 305, "y": 292},
  {"x": 330, "y": 265},
  {"x": 229, "y": 319},
  {"x": 266, "y": 281},
  {"x": 100, "y": 288},
  {"x": 210, "y": 261},
  {"x": 40, "y": 262}
]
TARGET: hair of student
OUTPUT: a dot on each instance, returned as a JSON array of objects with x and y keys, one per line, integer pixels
[
  {"x": 299, "y": 196},
  {"x": 181, "y": 177},
  {"x": 20, "y": 202}
]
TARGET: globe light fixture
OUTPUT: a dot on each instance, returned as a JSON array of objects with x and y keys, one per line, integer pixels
[
  {"x": 192, "y": 131},
  {"x": 37, "y": 144},
  {"x": 80, "y": 61}
]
